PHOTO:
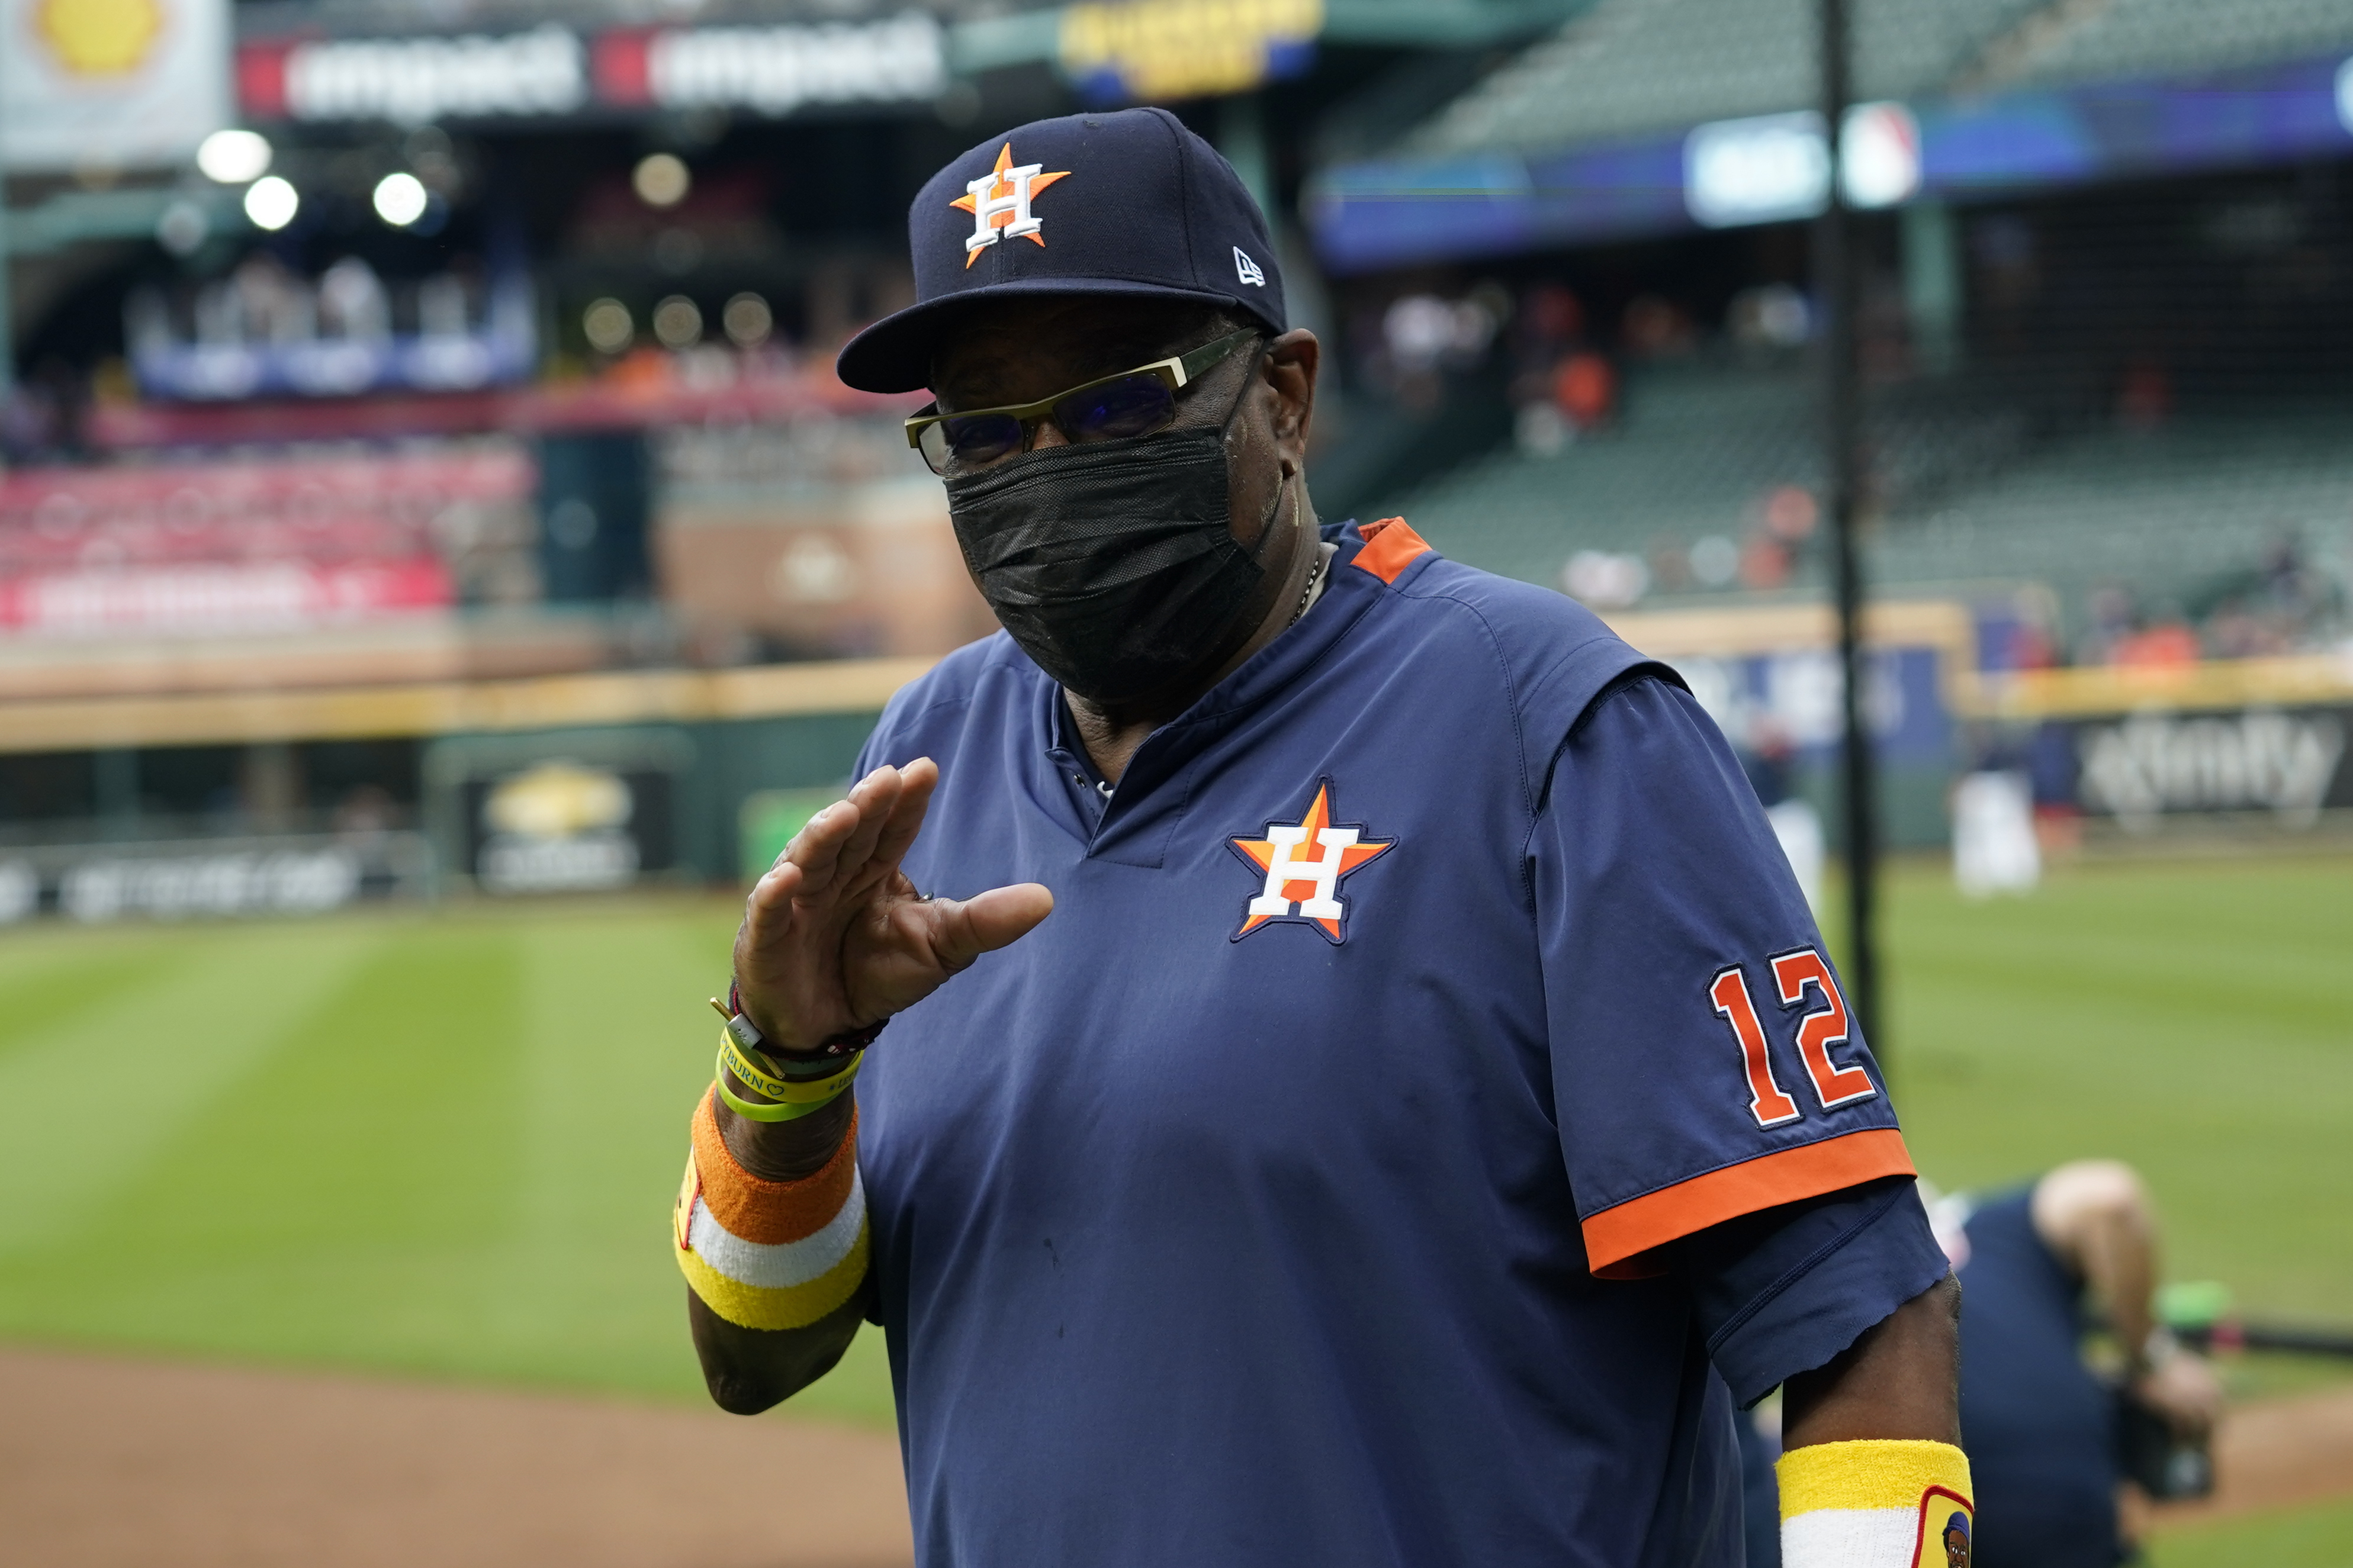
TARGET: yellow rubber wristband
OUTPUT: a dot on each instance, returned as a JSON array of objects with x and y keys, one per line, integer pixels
[
  {"x": 781, "y": 1110},
  {"x": 762, "y": 1077},
  {"x": 760, "y": 1110}
]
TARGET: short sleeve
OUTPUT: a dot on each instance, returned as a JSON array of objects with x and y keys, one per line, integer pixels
[
  {"x": 1705, "y": 1063},
  {"x": 1784, "y": 1291}
]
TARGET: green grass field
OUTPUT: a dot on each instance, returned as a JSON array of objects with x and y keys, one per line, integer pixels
[{"x": 445, "y": 1144}]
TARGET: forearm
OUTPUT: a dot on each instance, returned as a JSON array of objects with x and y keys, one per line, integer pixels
[
  {"x": 1873, "y": 1475},
  {"x": 2115, "y": 1248},
  {"x": 773, "y": 1242},
  {"x": 784, "y": 1150},
  {"x": 771, "y": 1232},
  {"x": 750, "y": 1370},
  {"x": 1900, "y": 1380}
]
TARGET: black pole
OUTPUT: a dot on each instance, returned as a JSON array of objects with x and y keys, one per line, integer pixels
[{"x": 1834, "y": 279}]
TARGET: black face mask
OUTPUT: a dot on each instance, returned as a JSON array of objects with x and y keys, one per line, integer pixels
[{"x": 1112, "y": 564}]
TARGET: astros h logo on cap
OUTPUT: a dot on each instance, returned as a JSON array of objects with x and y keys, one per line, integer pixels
[
  {"x": 1128, "y": 204},
  {"x": 999, "y": 203}
]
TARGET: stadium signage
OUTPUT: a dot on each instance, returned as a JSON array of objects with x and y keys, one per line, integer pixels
[
  {"x": 553, "y": 73},
  {"x": 1497, "y": 201},
  {"x": 222, "y": 596},
  {"x": 291, "y": 881},
  {"x": 2140, "y": 768},
  {"x": 110, "y": 86},
  {"x": 1777, "y": 167},
  {"x": 559, "y": 825},
  {"x": 773, "y": 70},
  {"x": 1157, "y": 50},
  {"x": 1771, "y": 168},
  {"x": 412, "y": 81},
  {"x": 195, "y": 879}
]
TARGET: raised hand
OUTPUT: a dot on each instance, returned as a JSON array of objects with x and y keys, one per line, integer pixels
[{"x": 835, "y": 937}]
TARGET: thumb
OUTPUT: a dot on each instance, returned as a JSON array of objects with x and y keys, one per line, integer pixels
[{"x": 963, "y": 930}]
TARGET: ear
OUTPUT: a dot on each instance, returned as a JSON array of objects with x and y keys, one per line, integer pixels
[{"x": 1289, "y": 372}]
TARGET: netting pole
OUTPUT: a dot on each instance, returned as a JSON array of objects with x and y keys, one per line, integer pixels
[
  {"x": 1835, "y": 268},
  {"x": 7, "y": 256}
]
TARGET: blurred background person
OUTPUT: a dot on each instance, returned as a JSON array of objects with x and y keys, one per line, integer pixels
[{"x": 2043, "y": 1268}]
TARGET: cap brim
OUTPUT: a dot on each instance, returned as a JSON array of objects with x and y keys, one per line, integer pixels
[{"x": 894, "y": 355}]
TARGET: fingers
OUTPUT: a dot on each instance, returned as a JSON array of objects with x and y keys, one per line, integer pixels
[
  {"x": 772, "y": 893},
  {"x": 875, "y": 796},
  {"x": 916, "y": 781},
  {"x": 986, "y": 921},
  {"x": 838, "y": 841}
]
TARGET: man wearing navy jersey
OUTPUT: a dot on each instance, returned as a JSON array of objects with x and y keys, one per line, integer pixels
[{"x": 1428, "y": 1109}]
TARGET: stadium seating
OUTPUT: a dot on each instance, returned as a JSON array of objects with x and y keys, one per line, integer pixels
[
  {"x": 2172, "y": 512},
  {"x": 1628, "y": 67},
  {"x": 1693, "y": 453},
  {"x": 1970, "y": 493},
  {"x": 2162, "y": 37},
  {"x": 1698, "y": 449}
]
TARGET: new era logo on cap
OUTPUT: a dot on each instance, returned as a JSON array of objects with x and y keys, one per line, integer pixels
[{"x": 1128, "y": 204}]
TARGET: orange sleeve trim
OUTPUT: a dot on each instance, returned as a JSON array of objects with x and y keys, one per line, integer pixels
[
  {"x": 1616, "y": 1238},
  {"x": 770, "y": 1213},
  {"x": 1389, "y": 548}
]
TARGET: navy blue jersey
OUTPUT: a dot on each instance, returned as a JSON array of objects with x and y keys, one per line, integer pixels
[
  {"x": 2039, "y": 1427},
  {"x": 1306, "y": 1189}
]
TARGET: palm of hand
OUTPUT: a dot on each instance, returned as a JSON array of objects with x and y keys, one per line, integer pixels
[{"x": 835, "y": 937}]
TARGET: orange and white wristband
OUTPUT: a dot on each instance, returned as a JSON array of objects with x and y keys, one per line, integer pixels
[
  {"x": 1876, "y": 1505},
  {"x": 769, "y": 1254}
]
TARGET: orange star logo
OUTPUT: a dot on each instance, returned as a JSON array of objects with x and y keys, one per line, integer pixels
[
  {"x": 999, "y": 202},
  {"x": 1303, "y": 863}
]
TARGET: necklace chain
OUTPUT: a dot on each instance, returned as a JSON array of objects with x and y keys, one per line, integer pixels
[{"x": 1314, "y": 575}]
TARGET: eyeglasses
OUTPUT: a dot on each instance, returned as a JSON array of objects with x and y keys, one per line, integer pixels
[{"x": 1134, "y": 403}]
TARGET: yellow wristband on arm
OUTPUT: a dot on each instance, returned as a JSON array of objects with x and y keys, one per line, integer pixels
[{"x": 1886, "y": 1504}]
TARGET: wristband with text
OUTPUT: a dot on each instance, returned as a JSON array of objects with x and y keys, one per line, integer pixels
[
  {"x": 808, "y": 1098},
  {"x": 758, "y": 1073}
]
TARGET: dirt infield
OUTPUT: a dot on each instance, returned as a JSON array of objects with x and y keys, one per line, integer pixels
[
  {"x": 107, "y": 1460},
  {"x": 2275, "y": 1454}
]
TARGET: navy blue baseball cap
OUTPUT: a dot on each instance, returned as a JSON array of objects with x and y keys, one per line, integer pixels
[{"x": 1128, "y": 204}]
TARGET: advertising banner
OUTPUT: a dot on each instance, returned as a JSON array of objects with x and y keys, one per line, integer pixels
[
  {"x": 2287, "y": 764},
  {"x": 1154, "y": 51},
  {"x": 563, "y": 828},
  {"x": 1410, "y": 210},
  {"x": 2227, "y": 744},
  {"x": 564, "y": 812},
  {"x": 110, "y": 84},
  {"x": 210, "y": 877},
  {"x": 222, "y": 598},
  {"x": 552, "y": 71}
]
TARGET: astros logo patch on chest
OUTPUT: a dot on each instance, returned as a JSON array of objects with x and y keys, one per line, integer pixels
[
  {"x": 1301, "y": 864},
  {"x": 999, "y": 203}
]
